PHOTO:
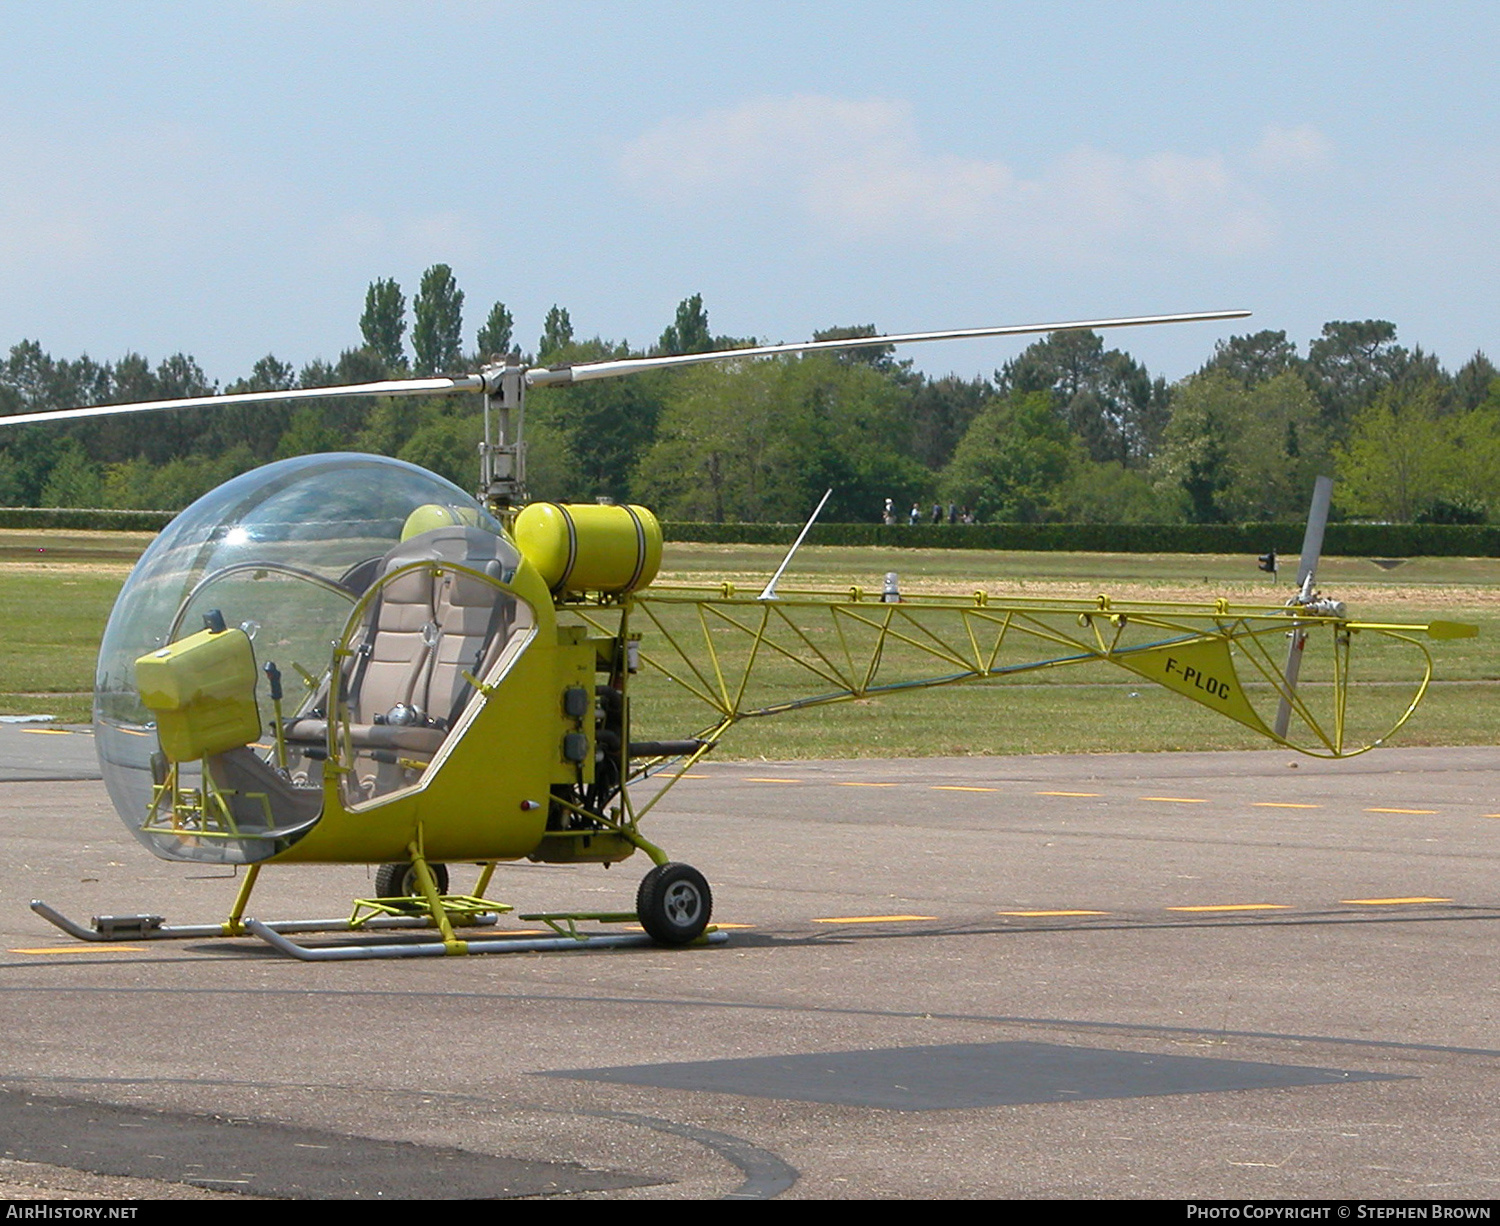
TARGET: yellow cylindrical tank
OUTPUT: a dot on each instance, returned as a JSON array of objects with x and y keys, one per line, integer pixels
[
  {"x": 586, "y": 548},
  {"x": 437, "y": 515}
]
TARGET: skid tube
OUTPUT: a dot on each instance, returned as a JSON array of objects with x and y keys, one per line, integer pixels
[
  {"x": 151, "y": 927},
  {"x": 441, "y": 949}
]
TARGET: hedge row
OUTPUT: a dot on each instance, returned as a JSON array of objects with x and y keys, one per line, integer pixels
[
  {"x": 1353, "y": 540},
  {"x": 84, "y": 519}
]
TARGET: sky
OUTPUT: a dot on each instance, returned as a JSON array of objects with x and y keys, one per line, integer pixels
[{"x": 226, "y": 179}]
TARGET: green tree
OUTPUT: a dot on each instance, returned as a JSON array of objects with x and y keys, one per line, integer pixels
[
  {"x": 33, "y": 381},
  {"x": 940, "y": 410},
  {"x": 557, "y": 334},
  {"x": 1350, "y": 363},
  {"x": 26, "y": 460},
  {"x": 1107, "y": 398},
  {"x": 383, "y": 325},
  {"x": 1254, "y": 359},
  {"x": 1475, "y": 482},
  {"x": 604, "y": 426},
  {"x": 437, "y": 335},
  {"x": 308, "y": 434},
  {"x": 173, "y": 485},
  {"x": 1011, "y": 460},
  {"x": 1110, "y": 493},
  {"x": 446, "y": 442},
  {"x": 723, "y": 452},
  {"x": 495, "y": 336},
  {"x": 173, "y": 433},
  {"x": 688, "y": 333},
  {"x": 74, "y": 480},
  {"x": 257, "y": 427},
  {"x": 1474, "y": 382},
  {"x": 269, "y": 374},
  {"x": 1407, "y": 457},
  {"x": 1238, "y": 452},
  {"x": 761, "y": 441}
]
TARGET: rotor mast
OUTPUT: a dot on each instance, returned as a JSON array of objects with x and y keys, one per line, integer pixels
[{"x": 502, "y": 454}]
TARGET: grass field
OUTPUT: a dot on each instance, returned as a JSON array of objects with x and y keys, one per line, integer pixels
[{"x": 56, "y": 590}]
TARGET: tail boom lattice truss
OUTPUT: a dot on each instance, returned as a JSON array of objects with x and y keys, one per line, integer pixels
[{"x": 745, "y": 658}]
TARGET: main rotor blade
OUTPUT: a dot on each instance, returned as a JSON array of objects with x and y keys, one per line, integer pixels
[
  {"x": 541, "y": 376},
  {"x": 386, "y": 387}
]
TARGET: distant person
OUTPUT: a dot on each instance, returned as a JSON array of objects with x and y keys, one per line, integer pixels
[
  {"x": 953, "y": 512},
  {"x": 937, "y": 512},
  {"x": 915, "y": 517},
  {"x": 890, "y": 511}
]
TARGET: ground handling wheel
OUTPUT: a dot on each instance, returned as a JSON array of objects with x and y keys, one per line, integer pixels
[
  {"x": 674, "y": 904},
  {"x": 400, "y": 880}
]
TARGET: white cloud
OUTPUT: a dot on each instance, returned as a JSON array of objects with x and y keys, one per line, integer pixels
[
  {"x": 359, "y": 236},
  {"x": 859, "y": 170},
  {"x": 444, "y": 236},
  {"x": 1299, "y": 148}
]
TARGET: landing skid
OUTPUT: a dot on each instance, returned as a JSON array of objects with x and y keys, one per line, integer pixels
[
  {"x": 673, "y": 906},
  {"x": 277, "y": 933},
  {"x": 153, "y": 928},
  {"x": 439, "y": 949}
]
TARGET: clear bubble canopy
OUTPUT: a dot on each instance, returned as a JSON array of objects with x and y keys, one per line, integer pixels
[{"x": 284, "y": 552}]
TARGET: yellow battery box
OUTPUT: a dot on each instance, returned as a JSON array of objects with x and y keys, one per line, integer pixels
[{"x": 202, "y": 691}]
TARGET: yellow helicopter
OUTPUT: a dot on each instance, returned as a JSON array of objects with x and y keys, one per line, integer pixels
[{"x": 347, "y": 659}]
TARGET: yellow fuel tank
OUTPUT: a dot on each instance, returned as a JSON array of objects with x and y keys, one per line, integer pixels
[{"x": 587, "y": 548}]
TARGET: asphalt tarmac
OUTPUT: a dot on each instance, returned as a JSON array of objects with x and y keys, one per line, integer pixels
[{"x": 1230, "y": 975}]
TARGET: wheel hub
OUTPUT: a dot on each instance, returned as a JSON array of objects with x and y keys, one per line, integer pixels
[{"x": 682, "y": 903}]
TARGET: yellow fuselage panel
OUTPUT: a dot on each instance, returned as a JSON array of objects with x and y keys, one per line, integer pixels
[{"x": 485, "y": 796}]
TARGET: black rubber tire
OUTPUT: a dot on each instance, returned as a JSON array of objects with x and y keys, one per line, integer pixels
[
  {"x": 400, "y": 880},
  {"x": 674, "y": 904}
]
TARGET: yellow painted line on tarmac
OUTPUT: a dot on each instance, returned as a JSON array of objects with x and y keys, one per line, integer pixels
[
  {"x": 1423, "y": 812},
  {"x": 868, "y": 785},
  {"x": 91, "y": 947},
  {"x": 47, "y": 731},
  {"x": 1389, "y": 902},
  {"x": 752, "y": 779},
  {"x": 717, "y": 924},
  {"x": 871, "y": 919},
  {"x": 1280, "y": 804},
  {"x": 956, "y": 787},
  {"x": 1238, "y": 906},
  {"x": 1178, "y": 800},
  {"x": 1489, "y": 815},
  {"x": 1067, "y": 794},
  {"x": 692, "y": 776},
  {"x": 1041, "y": 914}
]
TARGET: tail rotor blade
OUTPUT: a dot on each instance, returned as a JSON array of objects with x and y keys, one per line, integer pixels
[
  {"x": 1307, "y": 573},
  {"x": 1312, "y": 538}
]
